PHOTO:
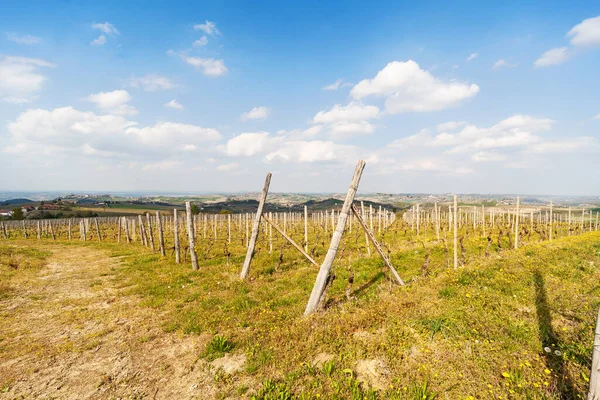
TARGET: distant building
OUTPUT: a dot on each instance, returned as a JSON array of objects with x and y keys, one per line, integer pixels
[
  {"x": 48, "y": 207},
  {"x": 27, "y": 209},
  {"x": 5, "y": 213}
]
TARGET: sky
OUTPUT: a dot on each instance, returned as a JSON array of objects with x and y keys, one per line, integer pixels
[{"x": 209, "y": 96}]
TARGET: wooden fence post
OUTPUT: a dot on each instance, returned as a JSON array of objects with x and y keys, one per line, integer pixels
[
  {"x": 191, "y": 234},
  {"x": 517, "y": 224},
  {"x": 176, "y": 236},
  {"x": 255, "y": 228},
  {"x": 455, "y": 223},
  {"x": 149, "y": 221},
  {"x": 320, "y": 284},
  {"x": 97, "y": 229},
  {"x": 594, "y": 391},
  {"x": 161, "y": 238}
]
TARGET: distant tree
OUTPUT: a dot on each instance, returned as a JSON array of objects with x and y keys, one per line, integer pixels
[
  {"x": 17, "y": 214},
  {"x": 42, "y": 203},
  {"x": 195, "y": 209},
  {"x": 225, "y": 212}
]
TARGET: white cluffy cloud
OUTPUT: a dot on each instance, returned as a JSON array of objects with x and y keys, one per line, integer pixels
[
  {"x": 107, "y": 29},
  {"x": 250, "y": 144},
  {"x": 256, "y": 113},
  {"x": 174, "y": 104},
  {"x": 152, "y": 82},
  {"x": 210, "y": 28},
  {"x": 472, "y": 56},
  {"x": 25, "y": 39},
  {"x": 353, "y": 111},
  {"x": 504, "y": 64},
  {"x": 209, "y": 66},
  {"x": 114, "y": 102},
  {"x": 409, "y": 88},
  {"x": 20, "y": 78},
  {"x": 203, "y": 41},
  {"x": 583, "y": 35}
]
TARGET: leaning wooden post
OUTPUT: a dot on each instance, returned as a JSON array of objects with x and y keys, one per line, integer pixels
[
  {"x": 191, "y": 233},
  {"x": 290, "y": 240},
  {"x": 161, "y": 237},
  {"x": 255, "y": 228},
  {"x": 176, "y": 236},
  {"x": 594, "y": 392},
  {"x": 455, "y": 223},
  {"x": 551, "y": 222},
  {"x": 97, "y": 229},
  {"x": 384, "y": 257},
  {"x": 517, "y": 224},
  {"x": 320, "y": 284}
]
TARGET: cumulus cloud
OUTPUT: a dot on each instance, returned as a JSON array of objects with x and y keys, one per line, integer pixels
[
  {"x": 586, "y": 33},
  {"x": 353, "y": 111},
  {"x": 25, "y": 39},
  {"x": 504, "y": 64},
  {"x": 312, "y": 151},
  {"x": 152, "y": 83},
  {"x": 208, "y": 66},
  {"x": 203, "y": 41},
  {"x": 409, "y": 88},
  {"x": 114, "y": 102},
  {"x": 174, "y": 104},
  {"x": 67, "y": 129},
  {"x": 346, "y": 129},
  {"x": 250, "y": 144},
  {"x": 553, "y": 57},
  {"x": 99, "y": 41},
  {"x": 107, "y": 29},
  {"x": 583, "y": 35},
  {"x": 336, "y": 85},
  {"x": 228, "y": 167},
  {"x": 450, "y": 126},
  {"x": 256, "y": 113},
  {"x": 20, "y": 78},
  {"x": 210, "y": 28},
  {"x": 472, "y": 56}
]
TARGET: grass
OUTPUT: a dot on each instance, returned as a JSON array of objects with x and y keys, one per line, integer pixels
[{"x": 480, "y": 331}]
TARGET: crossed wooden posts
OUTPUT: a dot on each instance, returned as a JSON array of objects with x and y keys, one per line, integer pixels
[{"x": 320, "y": 286}]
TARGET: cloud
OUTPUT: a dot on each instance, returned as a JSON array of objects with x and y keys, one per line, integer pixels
[
  {"x": 114, "y": 102},
  {"x": 553, "y": 57},
  {"x": 256, "y": 113},
  {"x": 101, "y": 40},
  {"x": 174, "y": 104},
  {"x": 203, "y": 41},
  {"x": 583, "y": 35},
  {"x": 173, "y": 133},
  {"x": 20, "y": 78},
  {"x": 472, "y": 56},
  {"x": 209, "y": 66},
  {"x": 420, "y": 139},
  {"x": 26, "y": 39},
  {"x": 578, "y": 145},
  {"x": 312, "y": 151},
  {"x": 106, "y": 28},
  {"x": 346, "y": 129},
  {"x": 504, "y": 64},
  {"x": 297, "y": 134},
  {"x": 336, "y": 85},
  {"x": 409, "y": 88},
  {"x": 487, "y": 156},
  {"x": 161, "y": 165},
  {"x": 152, "y": 83},
  {"x": 210, "y": 28},
  {"x": 597, "y": 117},
  {"x": 450, "y": 126},
  {"x": 250, "y": 144},
  {"x": 353, "y": 111},
  {"x": 228, "y": 167},
  {"x": 586, "y": 33}
]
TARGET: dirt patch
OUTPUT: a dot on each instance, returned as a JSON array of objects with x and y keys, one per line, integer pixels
[
  {"x": 69, "y": 334},
  {"x": 230, "y": 363},
  {"x": 373, "y": 373}
]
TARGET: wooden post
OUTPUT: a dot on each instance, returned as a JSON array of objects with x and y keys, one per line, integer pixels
[
  {"x": 191, "y": 234},
  {"x": 70, "y": 234},
  {"x": 367, "y": 243},
  {"x": 321, "y": 282},
  {"x": 289, "y": 239},
  {"x": 161, "y": 238},
  {"x": 255, "y": 228},
  {"x": 97, "y": 229},
  {"x": 126, "y": 228},
  {"x": 52, "y": 230},
  {"x": 119, "y": 230},
  {"x": 83, "y": 230},
  {"x": 551, "y": 221},
  {"x": 143, "y": 238},
  {"x": 229, "y": 228},
  {"x": 384, "y": 257},
  {"x": 150, "y": 234},
  {"x": 305, "y": 228},
  {"x": 24, "y": 229},
  {"x": 517, "y": 215},
  {"x": 418, "y": 220},
  {"x": 594, "y": 391},
  {"x": 176, "y": 236},
  {"x": 39, "y": 229},
  {"x": 455, "y": 223}
]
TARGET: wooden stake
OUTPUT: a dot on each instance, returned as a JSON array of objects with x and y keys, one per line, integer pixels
[
  {"x": 289, "y": 239},
  {"x": 319, "y": 289},
  {"x": 97, "y": 229},
  {"x": 150, "y": 234},
  {"x": 384, "y": 257},
  {"x": 191, "y": 234},
  {"x": 455, "y": 223},
  {"x": 161, "y": 238},
  {"x": 176, "y": 236},
  {"x": 305, "y": 228},
  {"x": 594, "y": 391},
  {"x": 255, "y": 228},
  {"x": 517, "y": 215}
]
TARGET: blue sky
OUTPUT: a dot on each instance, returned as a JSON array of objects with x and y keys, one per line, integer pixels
[{"x": 209, "y": 96}]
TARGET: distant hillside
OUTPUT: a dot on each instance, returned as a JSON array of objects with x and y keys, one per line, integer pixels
[{"x": 15, "y": 201}]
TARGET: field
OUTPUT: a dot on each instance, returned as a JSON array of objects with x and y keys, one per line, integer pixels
[{"x": 101, "y": 319}]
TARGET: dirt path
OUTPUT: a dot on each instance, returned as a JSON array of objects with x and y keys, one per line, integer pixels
[{"x": 71, "y": 333}]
